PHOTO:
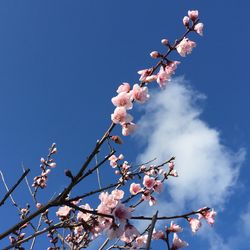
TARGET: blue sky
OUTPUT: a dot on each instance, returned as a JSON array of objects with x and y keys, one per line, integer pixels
[{"x": 61, "y": 62}]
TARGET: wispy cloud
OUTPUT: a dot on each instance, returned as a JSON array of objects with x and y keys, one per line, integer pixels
[{"x": 172, "y": 126}]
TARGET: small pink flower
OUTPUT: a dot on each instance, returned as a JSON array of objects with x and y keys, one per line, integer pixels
[
  {"x": 174, "y": 228},
  {"x": 84, "y": 216},
  {"x": 195, "y": 224},
  {"x": 140, "y": 94},
  {"x": 141, "y": 241},
  {"x": 178, "y": 243},
  {"x": 193, "y": 14},
  {"x": 124, "y": 87},
  {"x": 162, "y": 77},
  {"x": 135, "y": 188},
  {"x": 128, "y": 128},
  {"x": 185, "y": 47},
  {"x": 63, "y": 212},
  {"x": 113, "y": 161},
  {"x": 130, "y": 233},
  {"x": 123, "y": 99},
  {"x": 120, "y": 115},
  {"x": 108, "y": 200},
  {"x": 117, "y": 194},
  {"x": 186, "y": 21},
  {"x": 148, "y": 182},
  {"x": 174, "y": 173},
  {"x": 122, "y": 213},
  {"x": 152, "y": 201},
  {"x": 157, "y": 235},
  {"x": 114, "y": 231},
  {"x": 199, "y": 28},
  {"x": 158, "y": 186},
  {"x": 146, "y": 75},
  {"x": 208, "y": 215}
]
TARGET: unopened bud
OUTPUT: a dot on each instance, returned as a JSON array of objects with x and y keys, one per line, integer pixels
[
  {"x": 193, "y": 14},
  {"x": 154, "y": 54},
  {"x": 186, "y": 21},
  {"x": 164, "y": 41},
  {"x": 116, "y": 139}
]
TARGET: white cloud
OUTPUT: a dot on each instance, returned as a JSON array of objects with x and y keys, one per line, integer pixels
[{"x": 172, "y": 126}]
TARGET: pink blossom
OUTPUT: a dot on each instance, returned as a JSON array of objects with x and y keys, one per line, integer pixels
[
  {"x": 174, "y": 228},
  {"x": 185, "y": 47},
  {"x": 158, "y": 186},
  {"x": 120, "y": 115},
  {"x": 130, "y": 233},
  {"x": 124, "y": 87},
  {"x": 148, "y": 182},
  {"x": 121, "y": 157},
  {"x": 84, "y": 216},
  {"x": 123, "y": 99},
  {"x": 128, "y": 128},
  {"x": 63, "y": 212},
  {"x": 140, "y": 94},
  {"x": 113, "y": 161},
  {"x": 117, "y": 194},
  {"x": 152, "y": 201},
  {"x": 122, "y": 213},
  {"x": 108, "y": 200},
  {"x": 178, "y": 243},
  {"x": 186, "y": 21},
  {"x": 135, "y": 188},
  {"x": 146, "y": 75},
  {"x": 199, "y": 28},
  {"x": 158, "y": 235},
  {"x": 114, "y": 231},
  {"x": 208, "y": 215},
  {"x": 193, "y": 14},
  {"x": 162, "y": 77},
  {"x": 174, "y": 173},
  {"x": 141, "y": 240},
  {"x": 195, "y": 224}
]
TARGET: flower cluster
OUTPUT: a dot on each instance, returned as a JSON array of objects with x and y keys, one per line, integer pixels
[{"x": 40, "y": 181}]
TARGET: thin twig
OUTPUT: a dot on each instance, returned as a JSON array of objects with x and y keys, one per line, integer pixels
[{"x": 150, "y": 232}]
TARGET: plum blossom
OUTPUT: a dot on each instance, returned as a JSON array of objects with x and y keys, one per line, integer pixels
[
  {"x": 130, "y": 232},
  {"x": 185, "y": 46},
  {"x": 124, "y": 87},
  {"x": 120, "y": 115},
  {"x": 208, "y": 215},
  {"x": 154, "y": 54},
  {"x": 122, "y": 213},
  {"x": 174, "y": 228},
  {"x": 114, "y": 231},
  {"x": 148, "y": 182},
  {"x": 146, "y": 75},
  {"x": 140, "y": 94},
  {"x": 84, "y": 216},
  {"x": 108, "y": 200},
  {"x": 199, "y": 28},
  {"x": 178, "y": 243},
  {"x": 128, "y": 128},
  {"x": 113, "y": 161},
  {"x": 158, "y": 235},
  {"x": 135, "y": 188},
  {"x": 141, "y": 241},
  {"x": 195, "y": 224},
  {"x": 63, "y": 212},
  {"x": 117, "y": 194},
  {"x": 193, "y": 14},
  {"x": 158, "y": 186},
  {"x": 123, "y": 99}
]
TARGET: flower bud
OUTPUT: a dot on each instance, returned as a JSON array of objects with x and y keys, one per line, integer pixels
[
  {"x": 155, "y": 54},
  {"x": 193, "y": 14},
  {"x": 186, "y": 21},
  {"x": 164, "y": 41}
]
